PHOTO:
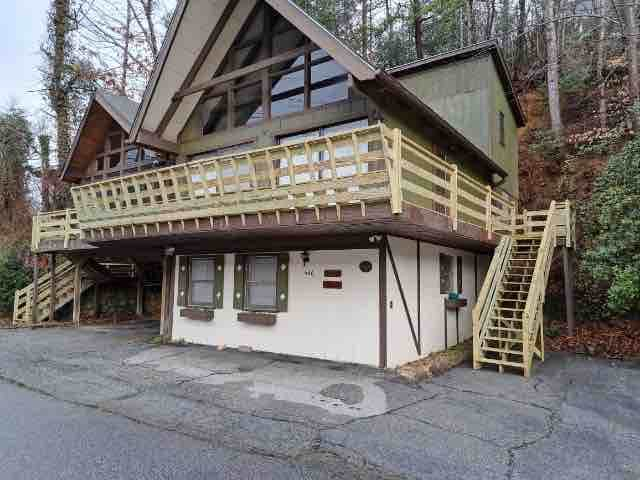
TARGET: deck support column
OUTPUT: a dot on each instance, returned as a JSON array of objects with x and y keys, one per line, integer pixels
[
  {"x": 77, "y": 290},
  {"x": 52, "y": 294},
  {"x": 567, "y": 262},
  {"x": 96, "y": 299},
  {"x": 382, "y": 303},
  {"x": 139, "y": 291},
  {"x": 34, "y": 300},
  {"x": 166, "y": 313}
]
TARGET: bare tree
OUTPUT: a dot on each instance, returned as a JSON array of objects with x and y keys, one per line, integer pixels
[
  {"x": 553, "y": 69},
  {"x": 600, "y": 74},
  {"x": 631, "y": 10}
]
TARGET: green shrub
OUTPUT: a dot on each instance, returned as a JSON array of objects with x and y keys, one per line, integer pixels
[
  {"x": 611, "y": 223},
  {"x": 13, "y": 276}
]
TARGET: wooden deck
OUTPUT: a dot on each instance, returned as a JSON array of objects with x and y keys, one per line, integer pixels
[{"x": 365, "y": 180}]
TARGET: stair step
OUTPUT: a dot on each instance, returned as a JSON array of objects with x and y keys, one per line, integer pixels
[
  {"x": 510, "y": 309},
  {"x": 511, "y": 300},
  {"x": 507, "y": 319},
  {"x": 501, "y": 362},
  {"x": 504, "y": 339},
  {"x": 512, "y": 291},
  {"x": 502, "y": 350},
  {"x": 505, "y": 329},
  {"x": 517, "y": 283}
]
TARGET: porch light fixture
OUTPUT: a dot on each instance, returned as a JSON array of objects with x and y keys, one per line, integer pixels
[{"x": 305, "y": 257}]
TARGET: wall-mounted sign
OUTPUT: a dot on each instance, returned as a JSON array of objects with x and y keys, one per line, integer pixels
[{"x": 335, "y": 279}]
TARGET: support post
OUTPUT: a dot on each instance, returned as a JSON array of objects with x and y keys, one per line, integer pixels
[
  {"x": 77, "y": 293},
  {"x": 382, "y": 303},
  {"x": 52, "y": 294},
  {"x": 34, "y": 299},
  {"x": 454, "y": 198},
  {"x": 168, "y": 263},
  {"x": 567, "y": 254},
  {"x": 139, "y": 291},
  {"x": 96, "y": 299}
]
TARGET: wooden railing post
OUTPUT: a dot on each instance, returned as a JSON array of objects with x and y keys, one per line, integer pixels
[
  {"x": 35, "y": 233},
  {"x": 35, "y": 293},
  {"x": 489, "y": 209},
  {"x": 454, "y": 198},
  {"x": 396, "y": 173}
]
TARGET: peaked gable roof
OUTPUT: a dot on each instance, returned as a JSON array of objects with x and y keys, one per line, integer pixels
[
  {"x": 200, "y": 34},
  {"x": 102, "y": 110},
  {"x": 489, "y": 47}
]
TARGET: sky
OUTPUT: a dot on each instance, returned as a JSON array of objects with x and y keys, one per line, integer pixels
[{"x": 22, "y": 29}]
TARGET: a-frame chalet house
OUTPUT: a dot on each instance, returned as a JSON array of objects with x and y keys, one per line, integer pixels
[{"x": 300, "y": 201}]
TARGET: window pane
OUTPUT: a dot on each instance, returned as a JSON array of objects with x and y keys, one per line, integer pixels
[
  {"x": 218, "y": 114},
  {"x": 446, "y": 273},
  {"x": 248, "y": 109},
  {"x": 262, "y": 295},
  {"x": 132, "y": 157},
  {"x": 202, "y": 269},
  {"x": 261, "y": 282},
  {"x": 202, "y": 293},
  {"x": 330, "y": 94},
  {"x": 114, "y": 160},
  {"x": 286, "y": 96}
]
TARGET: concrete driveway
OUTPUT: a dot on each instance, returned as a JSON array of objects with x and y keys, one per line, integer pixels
[{"x": 299, "y": 418}]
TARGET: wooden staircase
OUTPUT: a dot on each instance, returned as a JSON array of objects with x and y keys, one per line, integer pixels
[
  {"x": 23, "y": 301},
  {"x": 508, "y": 317}
]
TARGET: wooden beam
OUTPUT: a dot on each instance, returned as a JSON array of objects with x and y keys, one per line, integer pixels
[
  {"x": 52, "y": 294},
  {"x": 197, "y": 65},
  {"x": 568, "y": 289},
  {"x": 241, "y": 72},
  {"x": 139, "y": 291},
  {"x": 152, "y": 140},
  {"x": 34, "y": 300},
  {"x": 77, "y": 293},
  {"x": 382, "y": 303},
  {"x": 168, "y": 262}
]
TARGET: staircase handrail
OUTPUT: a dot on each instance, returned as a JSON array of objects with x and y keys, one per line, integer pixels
[
  {"x": 535, "y": 299},
  {"x": 488, "y": 294}
]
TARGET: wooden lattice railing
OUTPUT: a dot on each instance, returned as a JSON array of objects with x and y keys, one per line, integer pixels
[
  {"x": 59, "y": 225},
  {"x": 358, "y": 167}
]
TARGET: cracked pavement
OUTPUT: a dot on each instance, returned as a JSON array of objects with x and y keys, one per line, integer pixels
[{"x": 116, "y": 406}]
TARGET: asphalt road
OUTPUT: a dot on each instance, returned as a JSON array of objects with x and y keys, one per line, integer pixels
[
  {"x": 104, "y": 403},
  {"x": 44, "y": 438}
]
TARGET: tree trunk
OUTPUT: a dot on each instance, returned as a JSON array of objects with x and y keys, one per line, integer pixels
[
  {"x": 521, "y": 40},
  {"x": 58, "y": 94},
  {"x": 602, "y": 110},
  {"x": 471, "y": 23},
  {"x": 364, "y": 35},
  {"x": 148, "y": 7},
  {"x": 45, "y": 153},
  {"x": 632, "y": 52},
  {"x": 125, "y": 54},
  {"x": 553, "y": 75}
]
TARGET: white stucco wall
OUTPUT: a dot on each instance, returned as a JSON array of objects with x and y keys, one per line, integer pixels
[
  {"x": 340, "y": 325},
  {"x": 343, "y": 325},
  {"x": 400, "y": 346}
]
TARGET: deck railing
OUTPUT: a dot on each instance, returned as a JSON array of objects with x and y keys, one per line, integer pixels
[
  {"x": 358, "y": 167},
  {"x": 59, "y": 225},
  {"x": 429, "y": 182}
]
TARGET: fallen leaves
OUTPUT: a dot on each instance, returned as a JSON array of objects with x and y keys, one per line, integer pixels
[{"x": 616, "y": 339}]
